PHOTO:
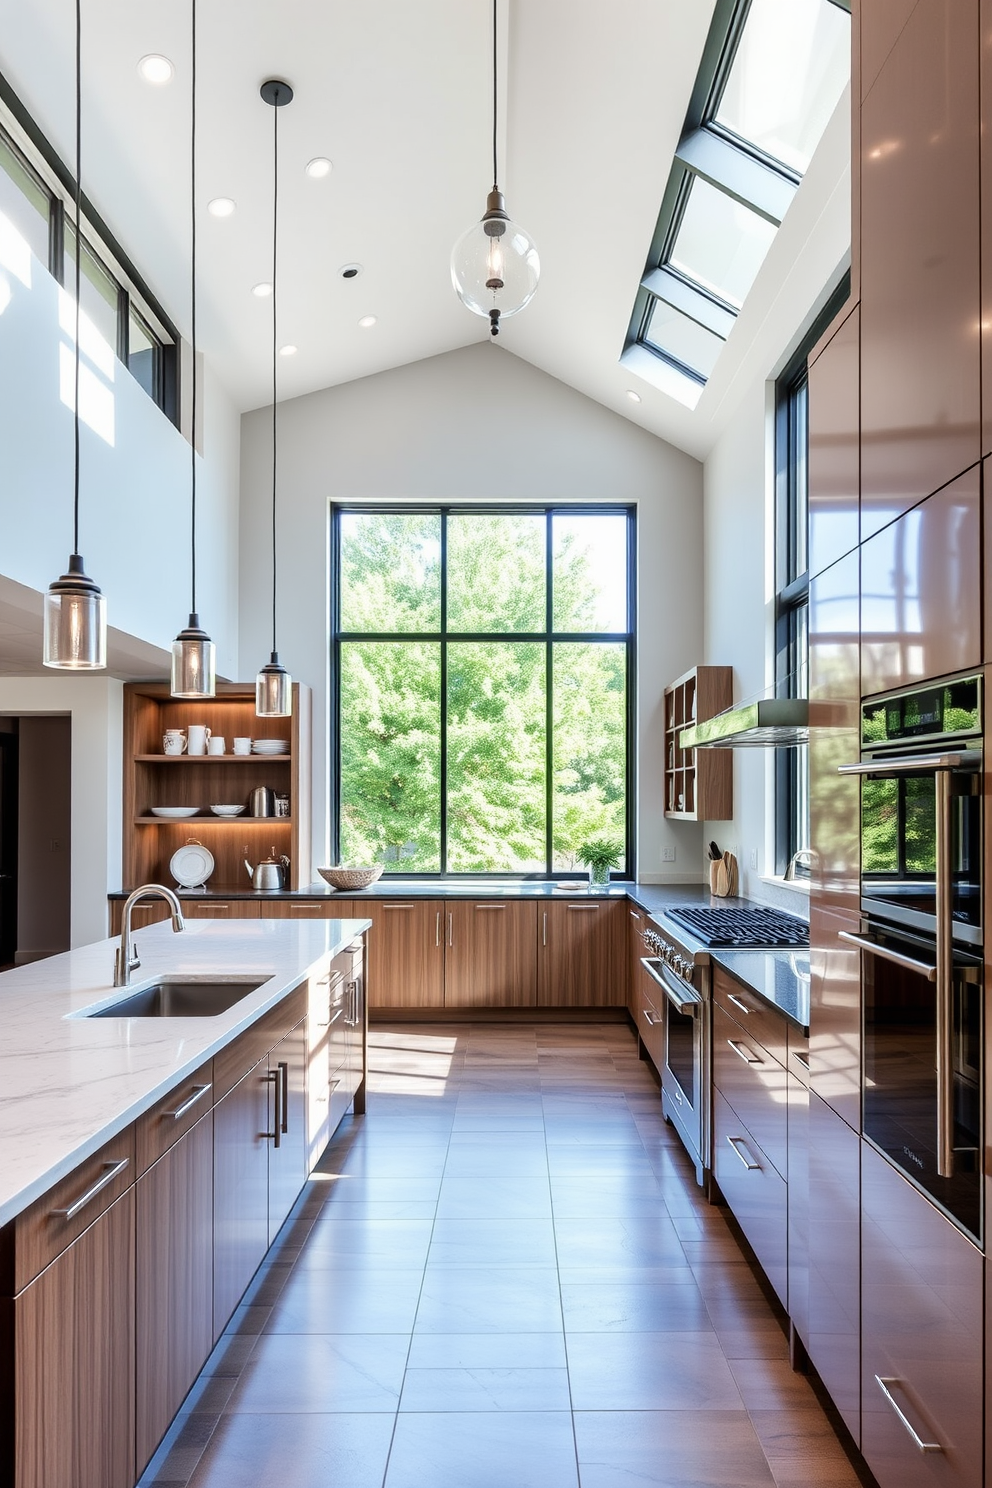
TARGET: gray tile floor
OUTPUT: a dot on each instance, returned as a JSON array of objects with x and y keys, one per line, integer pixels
[{"x": 504, "y": 1277}]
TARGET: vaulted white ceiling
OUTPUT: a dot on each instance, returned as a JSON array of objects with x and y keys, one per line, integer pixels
[{"x": 397, "y": 94}]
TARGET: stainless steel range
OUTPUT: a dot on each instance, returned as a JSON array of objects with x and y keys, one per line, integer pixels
[{"x": 683, "y": 974}]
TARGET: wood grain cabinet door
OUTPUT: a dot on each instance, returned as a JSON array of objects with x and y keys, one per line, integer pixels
[
  {"x": 583, "y": 959},
  {"x": 921, "y": 591},
  {"x": 490, "y": 957},
  {"x": 835, "y": 733},
  {"x": 835, "y": 1012},
  {"x": 241, "y": 1189},
  {"x": 798, "y": 1195},
  {"x": 920, "y": 262},
  {"x": 174, "y": 1281},
  {"x": 834, "y": 1339},
  {"x": 921, "y": 1349},
  {"x": 405, "y": 952},
  {"x": 288, "y": 1112},
  {"x": 834, "y": 452},
  {"x": 74, "y": 1362}
]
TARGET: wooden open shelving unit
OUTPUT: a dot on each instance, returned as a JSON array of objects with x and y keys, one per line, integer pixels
[
  {"x": 699, "y": 784},
  {"x": 152, "y": 778}
]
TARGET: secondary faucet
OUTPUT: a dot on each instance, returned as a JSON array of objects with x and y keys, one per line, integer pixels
[
  {"x": 805, "y": 858},
  {"x": 126, "y": 959}
]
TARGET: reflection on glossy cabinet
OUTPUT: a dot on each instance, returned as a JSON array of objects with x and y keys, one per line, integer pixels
[
  {"x": 834, "y": 715},
  {"x": 921, "y": 591},
  {"x": 489, "y": 956},
  {"x": 880, "y": 24},
  {"x": 582, "y": 954},
  {"x": 835, "y": 1012},
  {"x": 986, "y": 150},
  {"x": 405, "y": 951},
  {"x": 834, "y": 1338},
  {"x": 288, "y": 1116},
  {"x": 798, "y": 1178},
  {"x": 920, "y": 281},
  {"x": 74, "y": 1362},
  {"x": 922, "y": 1318},
  {"x": 241, "y": 1189},
  {"x": 756, "y": 1193},
  {"x": 834, "y": 453},
  {"x": 174, "y": 1281}
]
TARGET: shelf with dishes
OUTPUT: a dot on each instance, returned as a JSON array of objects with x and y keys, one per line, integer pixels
[
  {"x": 284, "y": 757},
  {"x": 214, "y": 821}
]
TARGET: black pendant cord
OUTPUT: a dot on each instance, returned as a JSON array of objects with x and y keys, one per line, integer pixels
[
  {"x": 79, "y": 260},
  {"x": 192, "y": 218},
  {"x": 495, "y": 95},
  {"x": 275, "y": 346}
]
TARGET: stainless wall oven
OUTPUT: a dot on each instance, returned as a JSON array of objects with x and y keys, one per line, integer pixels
[{"x": 921, "y": 938}]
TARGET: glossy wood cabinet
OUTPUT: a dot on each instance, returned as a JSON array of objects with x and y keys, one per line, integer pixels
[
  {"x": 73, "y": 1363},
  {"x": 835, "y": 1012},
  {"x": 921, "y": 605},
  {"x": 699, "y": 783},
  {"x": 834, "y": 468},
  {"x": 920, "y": 257},
  {"x": 755, "y": 1084},
  {"x": 880, "y": 22},
  {"x": 645, "y": 997},
  {"x": 798, "y": 1196},
  {"x": 835, "y": 715},
  {"x": 287, "y": 1118},
  {"x": 405, "y": 950},
  {"x": 241, "y": 1189},
  {"x": 922, "y": 1344},
  {"x": 489, "y": 958},
  {"x": 582, "y": 953},
  {"x": 985, "y": 87},
  {"x": 834, "y": 1326},
  {"x": 755, "y": 1191},
  {"x": 174, "y": 1281}
]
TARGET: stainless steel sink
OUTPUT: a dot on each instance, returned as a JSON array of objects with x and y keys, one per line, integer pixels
[{"x": 174, "y": 997}]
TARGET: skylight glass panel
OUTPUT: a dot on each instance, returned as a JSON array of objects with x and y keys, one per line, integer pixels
[
  {"x": 688, "y": 342},
  {"x": 721, "y": 244},
  {"x": 791, "y": 66}
]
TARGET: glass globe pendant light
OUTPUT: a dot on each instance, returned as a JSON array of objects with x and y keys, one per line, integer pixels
[
  {"x": 495, "y": 264},
  {"x": 194, "y": 670},
  {"x": 274, "y": 685},
  {"x": 75, "y": 620}
]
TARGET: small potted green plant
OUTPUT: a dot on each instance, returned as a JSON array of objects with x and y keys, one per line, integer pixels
[{"x": 599, "y": 855}]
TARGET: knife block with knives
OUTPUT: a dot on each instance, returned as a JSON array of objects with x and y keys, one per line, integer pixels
[{"x": 723, "y": 873}]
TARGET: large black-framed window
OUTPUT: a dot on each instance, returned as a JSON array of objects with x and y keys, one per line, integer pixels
[
  {"x": 792, "y": 579},
  {"x": 482, "y": 700}
]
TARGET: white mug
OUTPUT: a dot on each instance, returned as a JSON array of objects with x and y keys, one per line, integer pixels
[
  {"x": 216, "y": 744},
  {"x": 242, "y": 746},
  {"x": 199, "y": 737},
  {"x": 173, "y": 741}
]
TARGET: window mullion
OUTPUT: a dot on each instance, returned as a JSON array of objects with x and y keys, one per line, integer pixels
[{"x": 549, "y": 693}]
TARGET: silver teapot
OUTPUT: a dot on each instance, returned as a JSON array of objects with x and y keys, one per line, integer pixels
[{"x": 270, "y": 873}]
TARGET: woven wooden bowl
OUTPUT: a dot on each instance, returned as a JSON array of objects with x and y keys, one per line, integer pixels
[{"x": 350, "y": 878}]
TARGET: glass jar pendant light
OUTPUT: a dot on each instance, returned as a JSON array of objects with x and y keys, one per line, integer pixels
[
  {"x": 194, "y": 667},
  {"x": 274, "y": 685},
  {"x": 495, "y": 264},
  {"x": 75, "y": 619}
]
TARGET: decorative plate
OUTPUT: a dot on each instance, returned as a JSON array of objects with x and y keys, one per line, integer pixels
[
  {"x": 192, "y": 865},
  {"x": 174, "y": 813}
]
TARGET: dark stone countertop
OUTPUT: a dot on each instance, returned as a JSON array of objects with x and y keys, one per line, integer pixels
[{"x": 781, "y": 977}]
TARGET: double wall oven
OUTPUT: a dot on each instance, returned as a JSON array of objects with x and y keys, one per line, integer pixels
[{"x": 921, "y": 772}]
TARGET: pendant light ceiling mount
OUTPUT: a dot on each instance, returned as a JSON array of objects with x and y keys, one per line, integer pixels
[
  {"x": 273, "y": 684},
  {"x": 75, "y": 619},
  {"x": 495, "y": 265}
]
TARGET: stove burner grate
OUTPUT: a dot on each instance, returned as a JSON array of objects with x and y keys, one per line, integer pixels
[{"x": 741, "y": 927}]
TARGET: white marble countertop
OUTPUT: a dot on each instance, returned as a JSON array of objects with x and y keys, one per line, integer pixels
[{"x": 68, "y": 1083}]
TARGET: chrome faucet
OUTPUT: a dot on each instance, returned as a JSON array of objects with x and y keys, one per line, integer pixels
[
  {"x": 126, "y": 959},
  {"x": 805, "y": 857}
]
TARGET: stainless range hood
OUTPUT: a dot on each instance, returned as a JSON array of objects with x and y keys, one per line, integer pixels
[{"x": 770, "y": 723}]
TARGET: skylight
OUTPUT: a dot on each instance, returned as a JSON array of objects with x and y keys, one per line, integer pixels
[{"x": 772, "y": 74}]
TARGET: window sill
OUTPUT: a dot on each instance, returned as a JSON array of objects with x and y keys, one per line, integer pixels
[{"x": 794, "y": 885}]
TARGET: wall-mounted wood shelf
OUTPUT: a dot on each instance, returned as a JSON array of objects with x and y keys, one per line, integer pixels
[
  {"x": 699, "y": 784},
  {"x": 152, "y": 778}
]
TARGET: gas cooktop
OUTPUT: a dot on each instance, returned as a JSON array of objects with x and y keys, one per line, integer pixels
[{"x": 741, "y": 927}]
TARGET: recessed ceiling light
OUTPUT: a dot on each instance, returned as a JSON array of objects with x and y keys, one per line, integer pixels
[
  {"x": 634, "y": 397},
  {"x": 319, "y": 167},
  {"x": 350, "y": 271},
  {"x": 367, "y": 321},
  {"x": 156, "y": 69},
  {"x": 287, "y": 350},
  {"x": 221, "y": 206},
  {"x": 261, "y": 290}
]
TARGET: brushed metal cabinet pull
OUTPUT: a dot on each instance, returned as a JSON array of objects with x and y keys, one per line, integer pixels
[
  {"x": 908, "y": 963},
  {"x": 399, "y": 906},
  {"x": 490, "y": 906},
  {"x": 275, "y": 1136},
  {"x": 337, "y": 1015},
  {"x": 883, "y": 1382},
  {"x": 651, "y": 1019},
  {"x": 802, "y": 1059},
  {"x": 736, "y": 1144},
  {"x": 743, "y": 1053},
  {"x": 284, "y": 1072},
  {"x": 451, "y": 930},
  {"x": 737, "y": 1003},
  {"x": 110, "y": 1172},
  {"x": 544, "y": 929},
  {"x": 634, "y": 915},
  {"x": 437, "y": 929},
  {"x": 199, "y": 1091},
  {"x": 582, "y": 908}
]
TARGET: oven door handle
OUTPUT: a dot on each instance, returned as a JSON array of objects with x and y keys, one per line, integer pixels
[
  {"x": 684, "y": 1001},
  {"x": 908, "y": 963},
  {"x": 961, "y": 759}
]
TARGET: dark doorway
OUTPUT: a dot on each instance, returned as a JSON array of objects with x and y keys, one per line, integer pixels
[{"x": 8, "y": 848}]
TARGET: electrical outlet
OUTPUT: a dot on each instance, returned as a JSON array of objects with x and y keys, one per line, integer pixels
[
  {"x": 754, "y": 859},
  {"x": 668, "y": 855}
]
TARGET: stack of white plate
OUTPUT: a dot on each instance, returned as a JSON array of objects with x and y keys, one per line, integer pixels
[{"x": 270, "y": 746}]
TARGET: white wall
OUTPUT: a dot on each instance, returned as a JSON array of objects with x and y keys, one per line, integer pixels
[
  {"x": 94, "y": 706},
  {"x": 135, "y": 478},
  {"x": 473, "y": 425}
]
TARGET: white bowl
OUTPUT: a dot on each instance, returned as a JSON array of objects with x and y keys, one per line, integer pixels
[
  {"x": 174, "y": 813},
  {"x": 227, "y": 810}
]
